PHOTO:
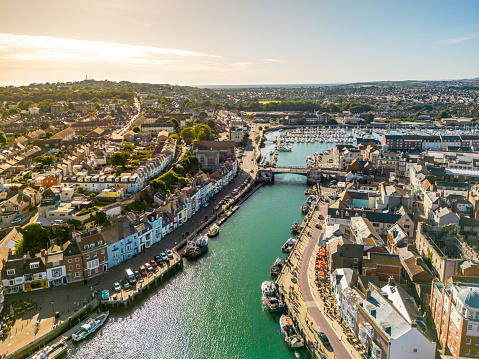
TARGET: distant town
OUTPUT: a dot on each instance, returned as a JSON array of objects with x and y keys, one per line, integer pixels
[{"x": 94, "y": 174}]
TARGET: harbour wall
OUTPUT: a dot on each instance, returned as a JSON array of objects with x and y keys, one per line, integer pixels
[{"x": 61, "y": 328}]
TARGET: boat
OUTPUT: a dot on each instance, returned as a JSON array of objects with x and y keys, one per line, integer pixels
[
  {"x": 304, "y": 208},
  {"x": 89, "y": 326},
  {"x": 295, "y": 227},
  {"x": 52, "y": 351},
  {"x": 214, "y": 230},
  {"x": 290, "y": 334},
  {"x": 276, "y": 267},
  {"x": 271, "y": 297},
  {"x": 196, "y": 246},
  {"x": 288, "y": 245},
  {"x": 310, "y": 200}
]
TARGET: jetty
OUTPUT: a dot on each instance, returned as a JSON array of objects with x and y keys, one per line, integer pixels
[{"x": 126, "y": 297}]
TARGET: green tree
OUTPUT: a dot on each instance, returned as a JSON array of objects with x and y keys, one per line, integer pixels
[
  {"x": 188, "y": 135},
  {"x": 257, "y": 139},
  {"x": 45, "y": 160},
  {"x": 175, "y": 122},
  {"x": 3, "y": 138},
  {"x": 175, "y": 137},
  {"x": 202, "y": 115},
  {"x": 369, "y": 118},
  {"x": 71, "y": 106},
  {"x": 48, "y": 134},
  {"x": 113, "y": 113},
  {"x": 211, "y": 124},
  {"x": 35, "y": 238},
  {"x": 136, "y": 129},
  {"x": 203, "y": 132},
  {"x": 119, "y": 159},
  {"x": 127, "y": 146},
  {"x": 44, "y": 125}
]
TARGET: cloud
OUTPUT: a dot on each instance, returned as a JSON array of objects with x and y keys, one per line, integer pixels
[
  {"x": 271, "y": 60},
  {"x": 58, "y": 49},
  {"x": 457, "y": 40},
  {"x": 241, "y": 64}
]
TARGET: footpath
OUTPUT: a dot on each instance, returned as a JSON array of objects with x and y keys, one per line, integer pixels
[{"x": 296, "y": 285}]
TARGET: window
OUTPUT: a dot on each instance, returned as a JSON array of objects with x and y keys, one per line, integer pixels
[
  {"x": 468, "y": 341},
  {"x": 414, "y": 350},
  {"x": 70, "y": 268},
  {"x": 78, "y": 266},
  {"x": 469, "y": 327},
  {"x": 77, "y": 275},
  {"x": 10, "y": 271},
  {"x": 57, "y": 272},
  {"x": 102, "y": 251},
  {"x": 476, "y": 343},
  {"x": 87, "y": 257},
  {"x": 69, "y": 261},
  {"x": 476, "y": 353},
  {"x": 466, "y": 352},
  {"x": 77, "y": 259},
  {"x": 35, "y": 265}
]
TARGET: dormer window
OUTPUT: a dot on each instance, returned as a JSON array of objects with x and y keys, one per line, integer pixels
[
  {"x": 35, "y": 265},
  {"x": 10, "y": 271},
  {"x": 100, "y": 242}
]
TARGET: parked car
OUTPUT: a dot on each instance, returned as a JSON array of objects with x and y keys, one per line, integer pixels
[
  {"x": 149, "y": 267},
  {"x": 21, "y": 216},
  {"x": 125, "y": 284},
  {"x": 137, "y": 275},
  {"x": 169, "y": 254},
  {"x": 153, "y": 263},
  {"x": 323, "y": 338},
  {"x": 16, "y": 220},
  {"x": 142, "y": 270},
  {"x": 205, "y": 204},
  {"x": 158, "y": 259},
  {"x": 163, "y": 256},
  {"x": 117, "y": 287}
]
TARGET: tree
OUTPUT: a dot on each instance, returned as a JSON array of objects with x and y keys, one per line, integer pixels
[
  {"x": 113, "y": 113},
  {"x": 175, "y": 137},
  {"x": 44, "y": 125},
  {"x": 211, "y": 124},
  {"x": 35, "y": 238},
  {"x": 71, "y": 106},
  {"x": 136, "y": 129},
  {"x": 369, "y": 118},
  {"x": 202, "y": 115},
  {"x": 175, "y": 122},
  {"x": 48, "y": 134},
  {"x": 188, "y": 135},
  {"x": 119, "y": 159},
  {"x": 203, "y": 132},
  {"x": 45, "y": 160},
  {"x": 244, "y": 141},
  {"x": 3, "y": 138},
  {"x": 257, "y": 139},
  {"x": 127, "y": 146}
]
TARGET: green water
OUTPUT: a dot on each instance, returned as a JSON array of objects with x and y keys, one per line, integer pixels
[{"x": 213, "y": 309}]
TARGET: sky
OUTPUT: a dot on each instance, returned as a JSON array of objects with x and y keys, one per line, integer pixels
[{"x": 231, "y": 42}]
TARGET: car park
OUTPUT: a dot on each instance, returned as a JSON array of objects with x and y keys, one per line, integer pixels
[
  {"x": 148, "y": 267},
  {"x": 117, "y": 287},
  {"x": 142, "y": 270},
  {"x": 153, "y": 263}
]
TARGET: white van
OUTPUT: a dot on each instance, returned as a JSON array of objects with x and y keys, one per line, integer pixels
[{"x": 130, "y": 276}]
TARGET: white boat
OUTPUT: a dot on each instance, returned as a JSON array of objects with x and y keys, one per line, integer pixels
[
  {"x": 89, "y": 326},
  {"x": 271, "y": 297},
  {"x": 288, "y": 245},
  {"x": 51, "y": 352}
]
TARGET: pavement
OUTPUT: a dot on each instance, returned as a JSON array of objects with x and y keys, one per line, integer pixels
[
  {"x": 302, "y": 296},
  {"x": 66, "y": 299}
]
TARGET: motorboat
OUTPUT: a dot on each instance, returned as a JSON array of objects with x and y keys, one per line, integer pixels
[
  {"x": 288, "y": 245},
  {"x": 89, "y": 326},
  {"x": 271, "y": 297},
  {"x": 290, "y": 334},
  {"x": 214, "y": 230},
  {"x": 52, "y": 351},
  {"x": 276, "y": 267},
  {"x": 295, "y": 227},
  {"x": 196, "y": 246}
]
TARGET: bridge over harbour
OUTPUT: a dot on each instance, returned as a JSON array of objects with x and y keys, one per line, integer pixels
[{"x": 314, "y": 175}]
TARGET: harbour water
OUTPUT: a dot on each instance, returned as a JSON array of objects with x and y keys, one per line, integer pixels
[
  {"x": 213, "y": 309},
  {"x": 297, "y": 157}
]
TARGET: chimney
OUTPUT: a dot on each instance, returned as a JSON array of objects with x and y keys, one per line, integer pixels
[
  {"x": 42, "y": 253},
  {"x": 3, "y": 261},
  {"x": 342, "y": 213},
  {"x": 391, "y": 282},
  {"x": 418, "y": 260},
  {"x": 414, "y": 323}
]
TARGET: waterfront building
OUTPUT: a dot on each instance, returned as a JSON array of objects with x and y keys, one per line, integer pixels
[
  {"x": 388, "y": 331},
  {"x": 213, "y": 154},
  {"x": 94, "y": 252},
  {"x": 455, "y": 313},
  {"x": 55, "y": 264},
  {"x": 20, "y": 273},
  {"x": 73, "y": 261},
  {"x": 122, "y": 242}
]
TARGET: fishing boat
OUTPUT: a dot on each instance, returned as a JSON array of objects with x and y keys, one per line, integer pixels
[
  {"x": 304, "y": 208},
  {"x": 310, "y": 200},
  {"x": 196, "y": 246},
  {"x": 271, "y": 297},
  {"x": 214, "y": 230},
  {"x": 52, "y": 351},
  {"x": 290, "y": 334},
  {"x": 276, "y": 267},
  {"x": 288, "y": 245},
  {"x": 89, "y": 326},
  {"x": 295, "y": 227}
]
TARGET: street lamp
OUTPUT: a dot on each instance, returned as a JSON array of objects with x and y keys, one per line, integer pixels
[{"x": 53, "y": 313}]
